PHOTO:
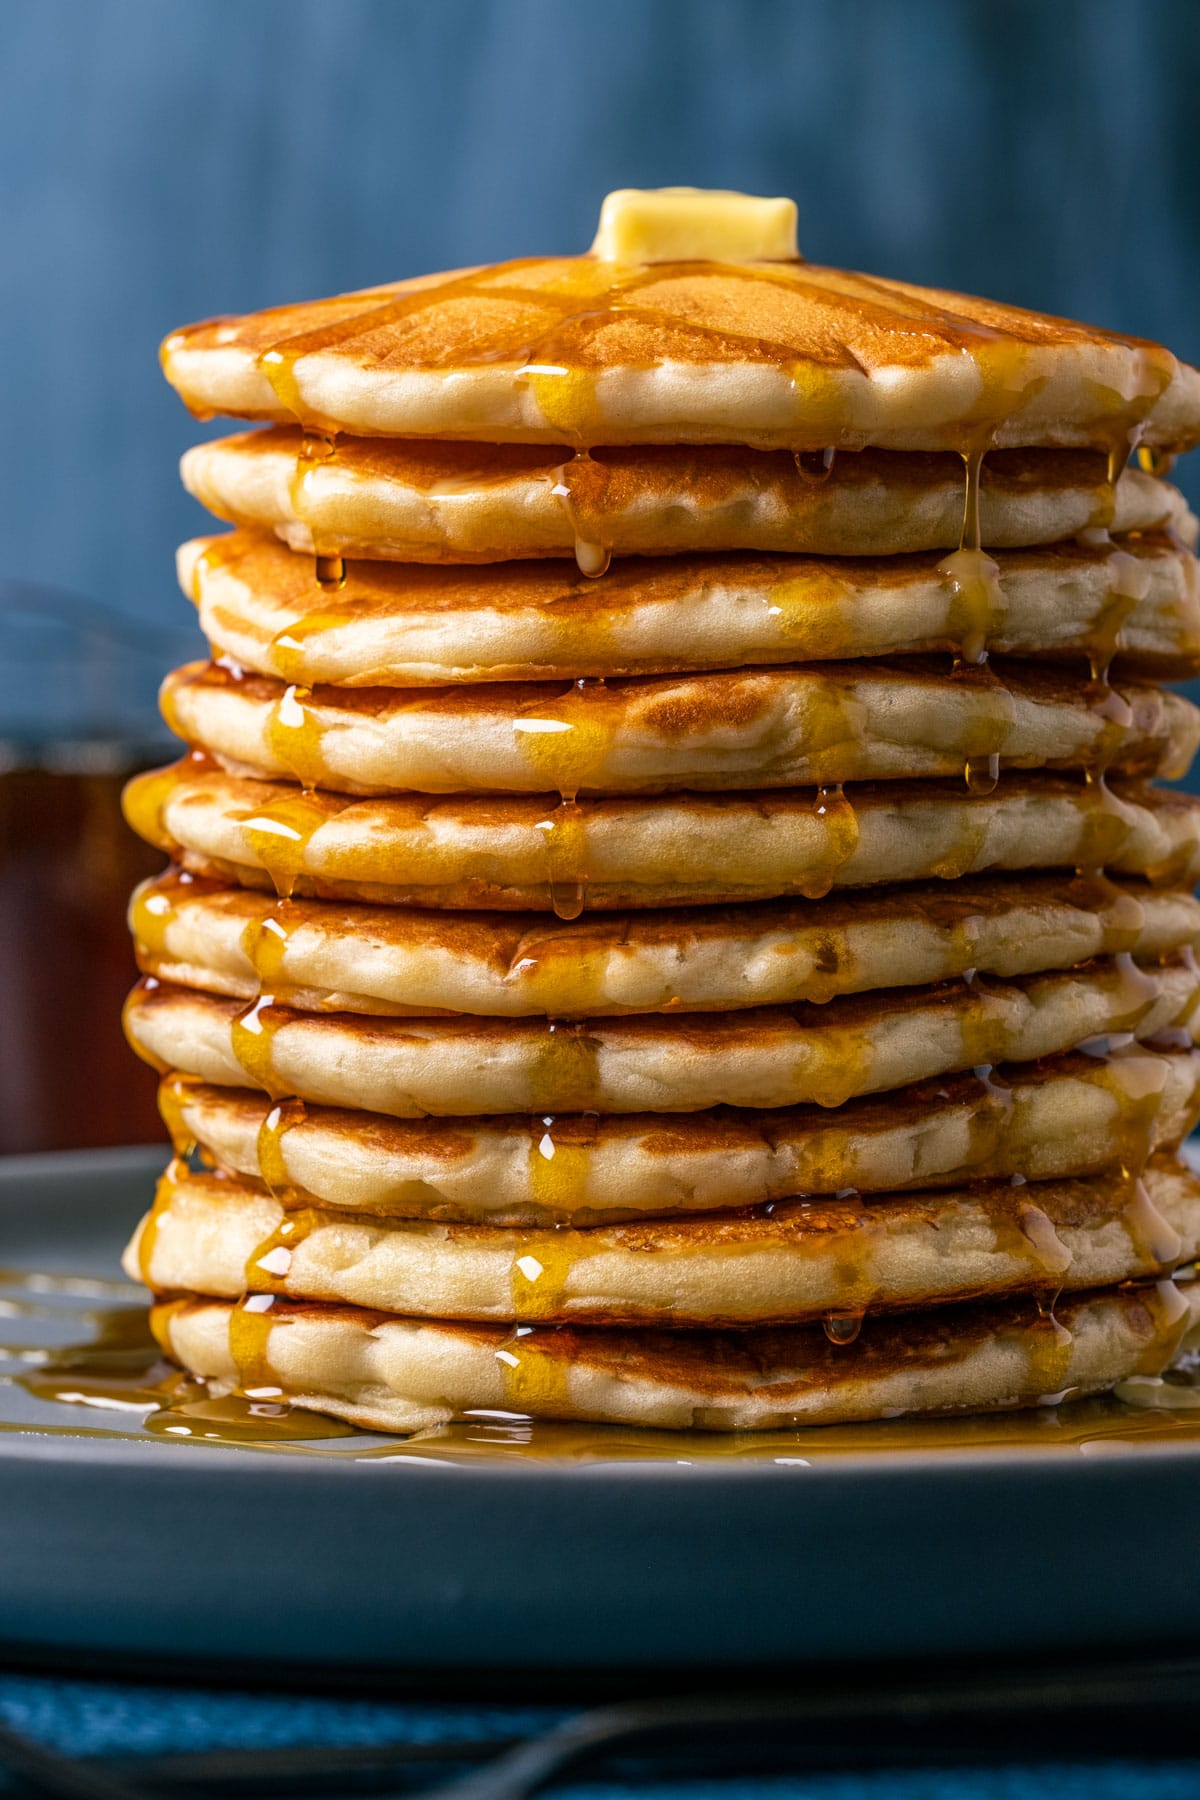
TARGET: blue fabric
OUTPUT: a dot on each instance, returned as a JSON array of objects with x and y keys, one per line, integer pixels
[{"x": 84, "y": 1718}]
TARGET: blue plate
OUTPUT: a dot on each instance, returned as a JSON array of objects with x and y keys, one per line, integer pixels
[{"x": 127, "y": 1528}]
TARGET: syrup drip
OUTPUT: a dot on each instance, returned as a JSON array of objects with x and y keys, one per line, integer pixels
[
  {"x": 1037, "y": 1228},
  {"x": 152, "y": 915},
  {"x": 534, "y": 1380},
  {"x": 989, "y": 1122},
  {"x": 564, "y": 1073},
  {"x": 815, "y": 465},
  {"x": 839, "y": 823},
  {"x": 250, "y": 1328},
  {"x": 559, "y": 1164},
  {"x": 278, "y": 835},
  {"x": 1106, "y": 825},
  {"x": 969, "y": 538},
  {"x": 1049, "y": 1357},
  {"x": 164, "y": 1192},
  {"x": 269, "y": 1264},
  {"x": 251, "y": 1037},
  {"x": 843, "y": 1327},
  {"x": 283, "y": 1117},
  {"x": 977, "y": 603},
  {"x": 836, "y": 1066},
  {"x": 1155, "y": 462},
  {"x": 541, "y": 1274},
  {"x": 175, "y": 1092},
  {"x": 1128, "y": 583},
  {"x": 564, "y": 835},
  {"x": 1136, "y": 1079},
  {"x": 146, "y": 798},
  {"x": 1121, "y": 916},
  {"x": 264, "y": 943},
  {"x": 982, "y": 773},
  {"x": 293, "y": 735},
  {"x": 331, "y": 573},
  {"x": 1153, "y": 1237},
  {"x": 592, "y": 555},
  {"x": 287, "y": 655},
  {"x": 1137, "y": 991},
  {"x": 316, "y": 450}
]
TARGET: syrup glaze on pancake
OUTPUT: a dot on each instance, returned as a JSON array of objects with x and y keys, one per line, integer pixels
[
  {"x": 1073, "y": 1114},
  {"x": 797, "y": 1261},
  {"x": 522, "y": 853},
  {"x": 471, "y": 503},
  {"x": 1134, "y": 604},
  {"x": 322, "y": 957},
  {"x": 763, "y": 1057},
  {"x": 403, "y": 1375},
  {"x": 581, "y": 351},
  {"x": 752, "y": 728}
]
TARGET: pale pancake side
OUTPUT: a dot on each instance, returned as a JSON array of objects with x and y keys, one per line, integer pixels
[
  {"x": 798, "y": 1262},
  {"x": 322, "y": 957},
  {"x": 580, "y": 350},
  {"x": 1076, "y": 1114},
  {"x": 763, "y": 1057},
  {"x": 485, "y": 503},
  {"x": 521, "y": 854},
  {"x": 746, "y": 729},
  {"x": 403, "y": 1375},
  {"x": 1136, "y": 602}
]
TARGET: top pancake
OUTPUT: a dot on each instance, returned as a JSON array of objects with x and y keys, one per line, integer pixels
[{"x": 582, "y": 351}]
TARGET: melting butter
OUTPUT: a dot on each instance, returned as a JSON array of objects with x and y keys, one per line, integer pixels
[{"x": 685, "y": 224}]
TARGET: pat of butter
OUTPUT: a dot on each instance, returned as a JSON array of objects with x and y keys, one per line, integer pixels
[{"x": 681, "y": 224}]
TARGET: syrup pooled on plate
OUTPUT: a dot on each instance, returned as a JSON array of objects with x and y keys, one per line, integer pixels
[{"x": 78, "y": 1361}]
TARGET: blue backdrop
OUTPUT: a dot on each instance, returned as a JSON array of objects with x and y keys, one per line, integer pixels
[{"x": 164, "y": 159}]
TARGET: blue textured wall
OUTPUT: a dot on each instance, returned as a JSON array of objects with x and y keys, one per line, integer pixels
[{"x": 164, "y": 159}]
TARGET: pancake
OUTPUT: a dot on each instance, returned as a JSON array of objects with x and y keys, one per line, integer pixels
[
  {"x": 763, "y": 1057},
  {"x": 584, "y": 351},
  {"x": 753, "y": 728},
  {"x": 405, "y": 624},
  {"x": 517, "y": 854},
  {"x": 323, "y": 957},
  {"x": 471, "y": 503},
  {"x": 394, "y": 1374},
  {"x": 1075, "y": 1114},
  {"x": 798, "y": 1262}
]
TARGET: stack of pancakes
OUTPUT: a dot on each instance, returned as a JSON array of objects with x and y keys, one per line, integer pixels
[{"x": 741, "y": 977}]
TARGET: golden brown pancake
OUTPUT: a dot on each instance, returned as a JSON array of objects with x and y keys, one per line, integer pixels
[
  {"x": 762, "y": 1057},
  {"x": 517, "y": 853},
  {"x": 325, "y": 957},
  {"x": 1074, "y": 1114},
  {"x": 396, "y": 1374},
  {"x": 797, "y": 1262},
  {"x": 483, "y": 503},
  {"x": 751, "y": 728},
  {"x": 582, "y": 351},
  {"x": 1135, "y": 602}
]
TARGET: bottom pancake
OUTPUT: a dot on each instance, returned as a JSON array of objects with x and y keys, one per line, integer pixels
[
  {"x": 403, "y": 1375},
  {"x": 1069, "y": 1115},
  {"x": 797, "y": 1261}
]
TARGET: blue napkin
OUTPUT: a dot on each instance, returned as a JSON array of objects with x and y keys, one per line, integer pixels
[{"x": 81, "y": 1718}]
